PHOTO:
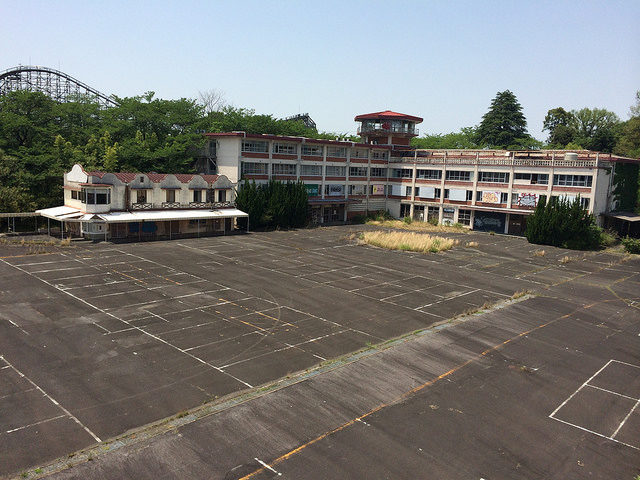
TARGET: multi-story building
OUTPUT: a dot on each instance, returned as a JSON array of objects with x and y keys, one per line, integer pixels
[
  {"x": 101, "y": 205},
  {"x": 341, "y": 177},
  {"x": 482, "y": 189}
]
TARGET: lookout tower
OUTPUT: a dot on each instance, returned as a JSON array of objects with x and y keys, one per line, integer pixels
[{"x": 387, "y": 128}]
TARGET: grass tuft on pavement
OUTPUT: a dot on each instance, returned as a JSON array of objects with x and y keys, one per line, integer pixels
[{"x": 409, "y": 241}]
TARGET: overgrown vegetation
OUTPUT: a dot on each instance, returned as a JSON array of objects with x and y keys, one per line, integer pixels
[
  {"x": 631, "y": 245},
  {"x": 562, "y": 223},
  {"x": 415, "y": 225},
  {"x": 608, "y": 238},
  {"x": 275, "y": 204},
  {"x": 410, "y": 241}
]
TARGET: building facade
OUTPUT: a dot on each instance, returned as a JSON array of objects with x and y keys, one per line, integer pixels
[
  {"x": 102, "y": 206},
  {"x": 492, "y": 190}
]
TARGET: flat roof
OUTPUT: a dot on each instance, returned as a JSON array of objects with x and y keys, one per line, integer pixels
[
  {"x": 626, "y": 216},
  {"x": 264, "y": 136},
  {"x": 168, "y": 215}
]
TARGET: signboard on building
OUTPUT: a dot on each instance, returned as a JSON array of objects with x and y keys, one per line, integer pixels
[
  {"x": 527, "y": 199},
  {"x": 334, "y": 190},
  {"x": 313, "y": 189},
  {"x": 377, "y": 189},
  {"x": 490, "y": 197},
  {"x": 427, "y": 192},
  {"x": 447, "y": 215},
  {"x": 457, "y": 194}
]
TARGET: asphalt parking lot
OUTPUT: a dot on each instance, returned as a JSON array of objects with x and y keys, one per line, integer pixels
[{"x": 100, "y": 339}]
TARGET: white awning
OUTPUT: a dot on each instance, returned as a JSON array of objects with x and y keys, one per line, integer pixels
[
  {"x": 168, "y": 215},
  {"x": 70, "y": 214},
  {"x": 61, "y": 213}
]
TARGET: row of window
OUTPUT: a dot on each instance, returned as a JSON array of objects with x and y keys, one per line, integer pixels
[
  {"x": 533, "y": 178},
  {"x": 495, "y": 177},
  {"x": 170, "y": 196},
  {"x": 431, "y": 174},
  {"x": 255, "y": 168},
  {"x": 92, "y": 196},
  {"x": 572, "y": 180},
  {"x": 333, "y": 190},
  {"x": 258, "y": 146},
  {"x": 458, "y": 195}
]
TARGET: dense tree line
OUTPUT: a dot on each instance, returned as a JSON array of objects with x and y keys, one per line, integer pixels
[
  {"x": 275, "y": 204},
  {"x": 41, "y": 139}
]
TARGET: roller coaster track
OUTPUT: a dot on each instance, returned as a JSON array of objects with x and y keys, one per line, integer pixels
[{"x": 54, "y": 83}]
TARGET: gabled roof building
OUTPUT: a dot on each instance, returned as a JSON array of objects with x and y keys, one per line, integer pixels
[{"x": 121, "y": 205}]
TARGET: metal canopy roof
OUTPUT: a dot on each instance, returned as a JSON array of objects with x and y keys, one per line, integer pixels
[{"x": 70, "y": 214}]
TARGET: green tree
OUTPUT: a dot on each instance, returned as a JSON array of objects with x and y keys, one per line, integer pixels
[
  {"x": 563, "y": 223},
  {"x": 275, "y": 204},
  {"x": 504, "y": 125},
  {"x": 14, "y": 194},
  {"x": 628, "y": 144},
  {"x": 26, "y": 120},
  {"x": 596, "y": 128},
  {"x": 465, "y": 138},
  {"x": 561, "y": 127},
  {"x": 635, "y": 109}
]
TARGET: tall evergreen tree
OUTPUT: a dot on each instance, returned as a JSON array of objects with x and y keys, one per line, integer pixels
[{"x": 504, "y": 125}]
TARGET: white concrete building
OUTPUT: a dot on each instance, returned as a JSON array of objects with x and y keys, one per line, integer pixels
[{"x": 482, "y": 189}]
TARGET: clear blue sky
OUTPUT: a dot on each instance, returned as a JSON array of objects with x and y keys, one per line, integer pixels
[{"x": 441, "y": 60}]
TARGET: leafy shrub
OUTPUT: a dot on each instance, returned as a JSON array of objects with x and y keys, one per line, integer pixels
[
  {"x": 407, "y": 220},
  {"x": 433, "y": 221},
  {"x": 562, "y": 223},
  {"x": 608, "y": 238},
  {"x": 631, "y": 245}
]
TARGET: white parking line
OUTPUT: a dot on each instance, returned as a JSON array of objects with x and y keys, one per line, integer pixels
[
  {"x": 155, "y": 337},
  {"x": 579, "y": 388},
  {"x": 36, "y": 423},
  {"x": 586, "y": 384},
  {"x": 51, "y": 399}
]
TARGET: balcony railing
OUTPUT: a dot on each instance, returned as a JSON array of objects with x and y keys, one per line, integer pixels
[
  {"x": 178, "y": 205},
  {"x": 498, "y": 158},
  {"x": 142, "y": 206},
  {"x": 393, "y": 129}
]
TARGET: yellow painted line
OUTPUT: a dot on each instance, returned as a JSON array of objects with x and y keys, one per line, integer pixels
[
  {"x": 257, "y": 313},
  {"x": 289, "y": 454}
]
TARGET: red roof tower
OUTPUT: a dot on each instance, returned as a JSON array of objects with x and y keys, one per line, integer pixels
[{"x": 387, "y": 128}]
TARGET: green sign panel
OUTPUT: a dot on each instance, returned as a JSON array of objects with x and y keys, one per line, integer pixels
[{"x": 313, "y": 190}]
